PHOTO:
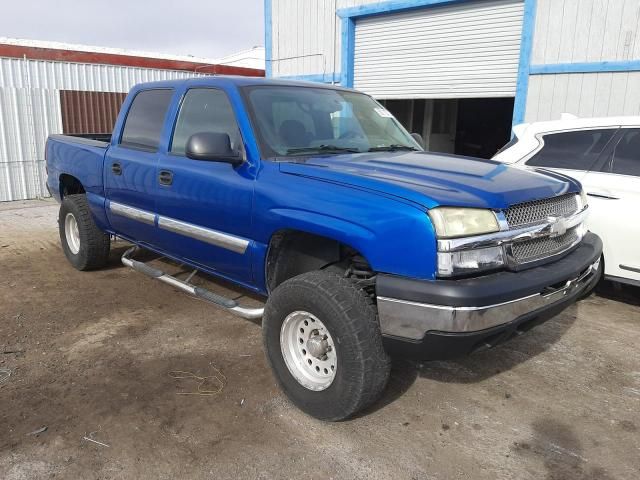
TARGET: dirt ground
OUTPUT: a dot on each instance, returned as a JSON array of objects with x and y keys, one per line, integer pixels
[{"x": 90, "y": 356}]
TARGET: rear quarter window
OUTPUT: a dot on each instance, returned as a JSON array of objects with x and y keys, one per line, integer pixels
[
  {"x": 626, "y": 156},
  {"x": 143, "y": 125},
  {"x": 577, "y": 150}
]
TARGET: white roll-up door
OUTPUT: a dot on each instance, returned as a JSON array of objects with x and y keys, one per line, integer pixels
[{"x": 462, "y": 51}]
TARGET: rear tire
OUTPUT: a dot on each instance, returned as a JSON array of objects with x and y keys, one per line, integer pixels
[
  {"x": 346, "y": 318},
  {"x": 84, "y": 244}
]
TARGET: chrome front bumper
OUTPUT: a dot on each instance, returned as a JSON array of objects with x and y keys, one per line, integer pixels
[{"x": 412, "y": 320}]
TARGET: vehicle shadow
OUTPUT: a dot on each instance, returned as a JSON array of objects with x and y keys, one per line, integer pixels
[
  {"x": 478, "y": 366},
  {"x": 619, "y": 292}
]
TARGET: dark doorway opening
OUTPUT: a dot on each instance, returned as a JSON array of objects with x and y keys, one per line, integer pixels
[
  {"x": 483, "y": 126},
  {"x": 475, "y": 127}
]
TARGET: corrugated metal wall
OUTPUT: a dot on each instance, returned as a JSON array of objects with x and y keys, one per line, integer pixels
[
  {"x": 89, "y": 112},
  {"x": 30, "y": 111},
  {"x": 460, "y": 51}
]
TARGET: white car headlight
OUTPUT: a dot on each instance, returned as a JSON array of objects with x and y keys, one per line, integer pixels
[{"x": 451, "y": 222}]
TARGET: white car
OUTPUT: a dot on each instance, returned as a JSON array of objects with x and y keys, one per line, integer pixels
[{"x": 604, "y": 155}]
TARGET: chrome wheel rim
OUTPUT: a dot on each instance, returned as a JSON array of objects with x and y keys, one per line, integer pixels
[
  {"x": 308, "y": 350},
  {"x": 72, "y": 233}
]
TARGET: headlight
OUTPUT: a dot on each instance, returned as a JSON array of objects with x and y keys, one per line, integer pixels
[
  {"x": 469, "y": 261},
  {"x": 463, "y": 222}
]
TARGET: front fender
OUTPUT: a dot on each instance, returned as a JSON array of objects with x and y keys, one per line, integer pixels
[{"x": 399, "y": 241}]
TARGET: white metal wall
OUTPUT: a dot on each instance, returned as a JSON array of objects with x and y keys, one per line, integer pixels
[
  {"x": 583, "y": 94},
  {"x": 30, "y": 111},
  {"x": 569, "y": 31},
  {"x": 306, "y": 36},
  {"x": 461, "y": 51}
]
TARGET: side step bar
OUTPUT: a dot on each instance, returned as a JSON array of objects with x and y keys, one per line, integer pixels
[{"x": 199, "y": 292}]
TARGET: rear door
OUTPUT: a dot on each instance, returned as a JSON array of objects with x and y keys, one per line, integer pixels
[
  {"x": 614, "y": 197},
  {"x": 131, "y": 163},
  {"x": 204, "y": 207}
]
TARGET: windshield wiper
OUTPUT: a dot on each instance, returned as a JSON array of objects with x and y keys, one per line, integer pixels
[
  {"x": 322, "y": 149},
  {"x": 393, "y": 148}
]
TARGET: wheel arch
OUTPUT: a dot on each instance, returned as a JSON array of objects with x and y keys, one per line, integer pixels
[
  {"x": 70, "y": 185},
  {"x": 293, "y": 251}
]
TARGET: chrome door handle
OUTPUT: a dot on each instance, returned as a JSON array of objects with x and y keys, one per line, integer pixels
[{"x": 606, "y": 196}]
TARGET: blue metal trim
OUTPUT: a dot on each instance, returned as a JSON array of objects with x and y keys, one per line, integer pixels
[
  {"x": 334, "y": 77},
  {"x": 348, "y": 51},
  {"x": 268, "y": 39},
  {"x": 393, "y": 6},
  {"x": 526, "y": 45},
  {"x": 586, "y": 67}
]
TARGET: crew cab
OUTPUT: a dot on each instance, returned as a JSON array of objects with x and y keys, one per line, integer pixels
[{"x": 363, "y": 245}]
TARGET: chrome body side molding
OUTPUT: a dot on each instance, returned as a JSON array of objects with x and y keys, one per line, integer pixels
[
  {"x": 132, "y": 213},
  {"x": 213, "y": 237},
  {"x": 207, "y": 235}
]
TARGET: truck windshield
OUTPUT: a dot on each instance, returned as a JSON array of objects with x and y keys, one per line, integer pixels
[{"x": 295, "y": 121}]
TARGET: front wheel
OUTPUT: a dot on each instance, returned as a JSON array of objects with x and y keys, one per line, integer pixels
[
  {"x": 323, "y": 342},
  {"x": 84, "y": 244}
]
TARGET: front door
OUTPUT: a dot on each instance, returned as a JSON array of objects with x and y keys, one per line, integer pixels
[
  {"x": 130, "y": 167},
  {"x": 204, "y": 207}
]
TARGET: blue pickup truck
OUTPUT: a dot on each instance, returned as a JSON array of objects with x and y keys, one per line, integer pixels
[{"x": 363, "y": 245}]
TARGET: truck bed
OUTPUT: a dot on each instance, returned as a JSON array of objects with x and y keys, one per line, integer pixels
[{"x": 78, "y": 157}]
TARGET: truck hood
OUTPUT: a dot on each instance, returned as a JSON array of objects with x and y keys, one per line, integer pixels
[{"x": 432, "y": 179}]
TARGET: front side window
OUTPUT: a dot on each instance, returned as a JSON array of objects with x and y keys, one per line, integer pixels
[
  {"x": 577, "y": 150},
  {"x": 205, "y": 110},
  {"x": 143, "y": 125},
  {"x": 626, "y": 156},
  {"x": 292, "y": 121}
]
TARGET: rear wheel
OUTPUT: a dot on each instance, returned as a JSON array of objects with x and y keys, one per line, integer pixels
[
  {"x": 323, "y": 341},
  {"x": 84, "y": 244}
]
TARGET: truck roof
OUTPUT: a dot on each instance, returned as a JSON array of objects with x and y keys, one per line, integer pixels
[{"x": 239, "y": 81}]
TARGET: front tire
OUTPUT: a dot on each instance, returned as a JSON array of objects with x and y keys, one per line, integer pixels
[
  {"x": 323, "y": 342},
  {"x": 84, "y": 244}
]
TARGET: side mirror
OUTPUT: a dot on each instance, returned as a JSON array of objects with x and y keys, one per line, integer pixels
[
  {"x": 212, "y": 146},
  {"x": 418, "y": 138}
]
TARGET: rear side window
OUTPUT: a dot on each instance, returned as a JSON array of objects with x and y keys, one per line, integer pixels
[
  {"x": 577, "y": 150},
  {"x": 143, "y": 125},
  {"x": 626, "y": 156},
  {"x": 205, "y": 110}
]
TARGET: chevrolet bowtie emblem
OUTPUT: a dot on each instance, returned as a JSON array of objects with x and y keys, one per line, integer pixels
[{"x": 557, "y": 226}]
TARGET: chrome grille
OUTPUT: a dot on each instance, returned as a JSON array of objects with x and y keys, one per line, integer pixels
[
  {"x": 539, "y": 248},
  {"x": 537, "y": 211}
]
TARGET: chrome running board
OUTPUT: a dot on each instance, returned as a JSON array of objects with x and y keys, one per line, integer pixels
[{"x": 227, "y": 303}]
